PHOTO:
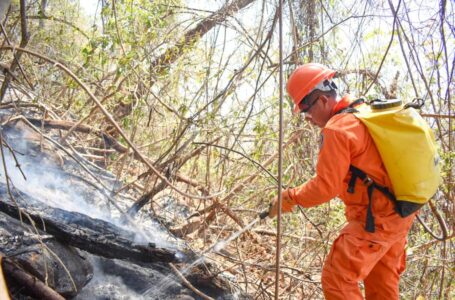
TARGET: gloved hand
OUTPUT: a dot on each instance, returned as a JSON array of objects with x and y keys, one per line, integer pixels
[{"x": 287, "y": 203}]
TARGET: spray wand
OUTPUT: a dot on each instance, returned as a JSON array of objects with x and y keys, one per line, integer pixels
[
  {"x": 223, "y": 243},
  {"x": 264, "y": 214}
]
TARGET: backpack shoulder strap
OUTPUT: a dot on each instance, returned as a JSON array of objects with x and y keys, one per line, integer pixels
[
  {"x": 371, "y": 185},
  {"x": 350, "y": 108}
]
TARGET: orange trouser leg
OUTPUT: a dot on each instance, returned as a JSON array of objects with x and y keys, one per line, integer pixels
[
  {"x": 382, "y": 282},
  {"x": 350, "y": 261}
]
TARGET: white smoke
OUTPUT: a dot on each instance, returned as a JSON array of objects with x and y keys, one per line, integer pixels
[
  {"x": 46, "y": 181},
  {"x": 104, "y": 286}
]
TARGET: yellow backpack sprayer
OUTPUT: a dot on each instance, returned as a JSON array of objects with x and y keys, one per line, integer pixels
[{"x": 408, "y": 150}]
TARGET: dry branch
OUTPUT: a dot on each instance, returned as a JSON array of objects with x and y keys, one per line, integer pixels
[
  {"x": 31, "y": 283},
  {"x": 219, "y": 203},
  {"x": 188, "y": 284},
  {"x": 170, "y": 174},
  {"x": 110, "y": 142},
  {"x": 51, "y": 18},
  {"x": 438, "y": 116},
  {"x": 23, "y": 44},
  {"x": 173, "y": 53},
  {"x": 112, "y": 121}
]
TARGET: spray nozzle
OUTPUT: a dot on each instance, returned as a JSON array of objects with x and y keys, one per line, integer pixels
[{"x": 264, "y": 214}]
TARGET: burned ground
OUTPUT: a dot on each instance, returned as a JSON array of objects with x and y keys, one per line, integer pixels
[{"x": 60, "y": 227}]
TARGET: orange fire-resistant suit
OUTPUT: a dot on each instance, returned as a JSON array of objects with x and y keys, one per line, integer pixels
[{"x": 376, "y": 258}]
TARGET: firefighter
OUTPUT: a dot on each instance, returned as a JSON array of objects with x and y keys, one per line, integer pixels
[{"x": 367, "y": 249}]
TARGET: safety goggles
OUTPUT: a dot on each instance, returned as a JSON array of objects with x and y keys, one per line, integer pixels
[
  {"x": 323, "y": 86},
  {"x": 305, "y": 105}
]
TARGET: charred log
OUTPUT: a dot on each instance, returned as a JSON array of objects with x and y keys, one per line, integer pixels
[
  {"x": 141, "y": 270},
  {"x": 34, "y": 254},
  {"x": 92, "y": 235}
]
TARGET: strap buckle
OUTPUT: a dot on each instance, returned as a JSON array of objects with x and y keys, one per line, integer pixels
[{"x": 367, "y": 181}]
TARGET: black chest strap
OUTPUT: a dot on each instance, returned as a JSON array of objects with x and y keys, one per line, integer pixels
[{"x": 371, "y": 185}]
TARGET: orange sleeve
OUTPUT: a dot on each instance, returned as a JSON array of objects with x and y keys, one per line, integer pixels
[{"x": 332, "y": 167}]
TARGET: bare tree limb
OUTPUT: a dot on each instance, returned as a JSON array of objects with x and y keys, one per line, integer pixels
[
  {"x": 23, "y": 44},
  {"x": 395, "y": 12},
  {"x": 51, "y": 18},
  {"x": 111, "y": 120},
  {"x": 173, "y": 53}
]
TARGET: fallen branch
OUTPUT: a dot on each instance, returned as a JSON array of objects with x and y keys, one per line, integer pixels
[
  {"x": 31, "y": 283},
  {"x": 66, "y": 125},
  {"x": 188, "y": 284},
  {"x": 3, "y": 288},
  {"x": 92, "y": 235},
  {"x": 170, "y": 174}
]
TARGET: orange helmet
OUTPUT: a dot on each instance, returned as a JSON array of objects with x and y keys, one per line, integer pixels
[{"x": 304, "y": 79}]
